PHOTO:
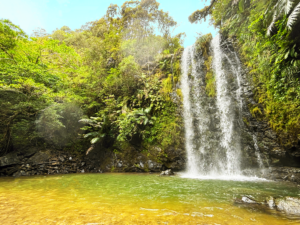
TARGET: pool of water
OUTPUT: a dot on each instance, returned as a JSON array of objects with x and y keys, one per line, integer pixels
[{"x": 136, "y": 199}]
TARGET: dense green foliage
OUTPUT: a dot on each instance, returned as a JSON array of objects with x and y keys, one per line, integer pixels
[
  {"x": 268, "y": 37},
  {"x": 115, "y": 75},
  {"x": 203, "y": 46}
]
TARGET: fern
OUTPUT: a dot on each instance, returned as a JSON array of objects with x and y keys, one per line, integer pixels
[{"x": 293, "y": 18}]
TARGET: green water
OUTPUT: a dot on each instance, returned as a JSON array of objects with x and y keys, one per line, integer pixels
[{"x": 136, "y": 199}]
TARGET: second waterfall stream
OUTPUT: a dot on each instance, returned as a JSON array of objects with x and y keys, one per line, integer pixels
[{"x": 212, "y": 124}]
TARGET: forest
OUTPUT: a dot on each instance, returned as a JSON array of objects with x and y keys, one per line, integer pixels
[{"x": 115, "y": 75}]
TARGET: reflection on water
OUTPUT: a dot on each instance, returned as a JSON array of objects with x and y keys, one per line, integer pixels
[{"x": 135, "y": 199}]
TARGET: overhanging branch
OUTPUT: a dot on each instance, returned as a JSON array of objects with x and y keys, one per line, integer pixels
[{"x": 202, "y": 13}]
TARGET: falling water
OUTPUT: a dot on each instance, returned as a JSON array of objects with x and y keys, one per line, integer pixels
[
  {"x": 188, "y": 120},
  {"x": 257, "y": 153},
  {"x": 230, "y": 139},
  {"x": 212, "y": 125}
]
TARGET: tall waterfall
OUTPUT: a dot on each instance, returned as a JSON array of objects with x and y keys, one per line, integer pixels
[{"x": 212, "y": 125}]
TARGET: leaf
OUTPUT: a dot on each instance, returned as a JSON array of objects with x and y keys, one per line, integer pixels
[
  {"x": 146, "y": 121},
  {"x": 293, "y": 52},
  {"x": 88, "y": 121},
  {"x": 287, "y": 55},
  {"x": 147, "y": 110},
  {"x": 293, "y": 18},
  {"x": 91, "y": 134},
  {"x": 95, "y": 118},
  {"x": 94, "y": 140}
]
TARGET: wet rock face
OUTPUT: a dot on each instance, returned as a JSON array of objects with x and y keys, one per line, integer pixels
[
  {"x": 257, "y": 136},
  {"x": 40, "y": 157},
  {"x": 291, "y": 174},
  {"x": 9, "y": 159},
  {"x": 134, "y": 160},
  {"x": 40, "y": 162}
]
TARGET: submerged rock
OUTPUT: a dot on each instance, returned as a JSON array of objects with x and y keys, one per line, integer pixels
[
  {"x": 246, "y": 199},
  {"x": 289, "y": 205},
  {"x": 168, "y": 172},
  {"x": 270, "y": 201}
]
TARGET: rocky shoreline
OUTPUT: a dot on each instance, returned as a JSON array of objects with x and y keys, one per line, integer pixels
[
  {"x": 33, "y": 161},
  {"x": 41, "y": 162}
]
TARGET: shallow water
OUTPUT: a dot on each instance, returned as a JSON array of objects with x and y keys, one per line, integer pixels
[{"x": 136, "y": 199}]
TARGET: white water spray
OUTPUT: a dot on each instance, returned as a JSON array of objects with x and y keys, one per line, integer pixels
[{"x": 212, "y": 129}]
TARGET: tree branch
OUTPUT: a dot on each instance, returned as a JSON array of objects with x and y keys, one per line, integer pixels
[{"x": 201, "y": 14}]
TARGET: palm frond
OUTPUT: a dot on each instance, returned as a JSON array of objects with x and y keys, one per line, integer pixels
[
  {"x": 293, "y": 18},
  {"x": 287, "y": 4},
  {"x": 272, "y": 25}
]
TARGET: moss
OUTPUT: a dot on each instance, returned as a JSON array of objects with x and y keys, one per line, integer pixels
[
  {"x": 179, "y": 93},
  {"x": 112, "y": 169},
  {"x": 256, "y": 111},
  {"x": 246, "y": 121},
  {"x": 167, "y": 87},
  {"x": 210, "y": 78},
  {"x": 203, "y": 44}
]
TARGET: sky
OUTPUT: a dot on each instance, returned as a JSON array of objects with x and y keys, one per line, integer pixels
[{"x": 52, "y": 14}]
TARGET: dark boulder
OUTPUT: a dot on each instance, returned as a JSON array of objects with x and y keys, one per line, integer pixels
[
  {"x": 40, "y": 157},
  {"x": 9, "y": 159}
]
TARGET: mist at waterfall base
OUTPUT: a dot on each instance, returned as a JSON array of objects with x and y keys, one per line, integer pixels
[{"x": 212, "y": 126}]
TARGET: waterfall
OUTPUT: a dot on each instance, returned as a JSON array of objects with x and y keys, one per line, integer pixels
[
  {"x": 188, "y": 120},
  {"x": 230, "y": 139},
  {"x": 212, "y": 124}
]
